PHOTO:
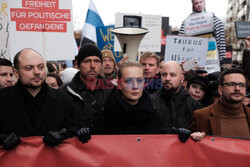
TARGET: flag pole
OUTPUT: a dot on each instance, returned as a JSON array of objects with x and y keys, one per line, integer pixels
[{"x": 44, "y": 45}]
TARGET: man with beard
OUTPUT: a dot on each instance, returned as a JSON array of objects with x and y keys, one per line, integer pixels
[
  {"x": 172, "y": 101},
  {"x": 88, "y": 89},
  {"x": 31, "y": 107},
  {"x": 108, "y": 64},
  {"x": 6, "y": 73},
  {"x": 228, "y": 116}
]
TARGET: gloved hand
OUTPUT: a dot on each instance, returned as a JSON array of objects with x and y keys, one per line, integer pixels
[
  {"x": 54, "y": 138},
  {"x": 183, "y": 133},
  {"x": 9, "y": 141},
  {"x": 2, "y": 138},
  {"x": 83, "y": 134}
]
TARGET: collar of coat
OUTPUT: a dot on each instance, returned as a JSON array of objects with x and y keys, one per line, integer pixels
[{"x": 215, "y": 120}]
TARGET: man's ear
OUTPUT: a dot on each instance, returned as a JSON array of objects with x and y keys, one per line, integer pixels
[
  {"x": 15, "y": 71},
  {"x": 220, "y": 90},
  {"x": 182, "y": 78}
]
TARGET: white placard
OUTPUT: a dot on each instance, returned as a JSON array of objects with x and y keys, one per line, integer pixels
[
  {"x": 4, "y": 30},
  {"x": 212, "y": 68},
  {"x": 152, "y": 40},
  {"x": 45, "y": 26},
  {"x": 183, "y": 48},
  {"x": 199, "y": 23}
]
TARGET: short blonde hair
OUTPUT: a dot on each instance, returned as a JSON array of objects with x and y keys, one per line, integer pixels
[{"x": 127, "y": 64}]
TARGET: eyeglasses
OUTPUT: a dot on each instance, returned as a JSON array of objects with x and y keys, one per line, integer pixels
[
  {"x": 90, "y": 61},
  {"x": 234, "y": 84}
]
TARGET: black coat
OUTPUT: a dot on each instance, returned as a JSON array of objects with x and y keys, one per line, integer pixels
[
  {"x": 246, "y": 63},
  {"x": 175, "y": 110},
  {"x": 55, "y": 113},
  {"x": 89, "y": 105},
  {"x": 123, "y": 118},
  {"x": 153, "y": 85}
]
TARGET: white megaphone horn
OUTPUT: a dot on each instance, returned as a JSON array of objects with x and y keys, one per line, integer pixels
[{"x": 130, "y": 39}]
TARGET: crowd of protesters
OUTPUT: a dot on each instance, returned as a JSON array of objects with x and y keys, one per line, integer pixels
[{"x": 100, "y": 96}]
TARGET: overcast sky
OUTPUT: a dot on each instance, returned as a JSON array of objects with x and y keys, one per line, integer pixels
[{"x": 177, "y": 10}]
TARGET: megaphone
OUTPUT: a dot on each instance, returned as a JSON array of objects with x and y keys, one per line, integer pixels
[{"x": 130, "y": 39}]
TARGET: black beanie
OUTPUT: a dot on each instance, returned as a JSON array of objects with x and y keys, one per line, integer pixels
[{"x": 88, "y": 50}]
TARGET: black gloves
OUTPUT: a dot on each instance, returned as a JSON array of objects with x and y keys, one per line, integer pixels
[
  {"x": 9, "y": 141},
  {"x": 183, "y": 133},
  {"x": 54, "y": 138},
  {"x": 83, "y": 134}
]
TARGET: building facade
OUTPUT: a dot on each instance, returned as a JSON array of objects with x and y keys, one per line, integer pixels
[{"x": 238, "y": 10}]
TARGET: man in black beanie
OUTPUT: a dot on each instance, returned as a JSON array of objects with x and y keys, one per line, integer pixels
[
  {"x": 88, "y": 50},
  {"x": 87, "y": 88}
]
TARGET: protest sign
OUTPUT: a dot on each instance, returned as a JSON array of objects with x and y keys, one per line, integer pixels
[
  {"x": 4, "y": 30},
  {"x": 152, "y": 40},
  {"x": 199, "y": 23},
  {"x": 212, "y": 62},
  {"x": 105, "y": 40},
  {"x": 184, "y": 48},
  {"x": 45, "y": 26}
]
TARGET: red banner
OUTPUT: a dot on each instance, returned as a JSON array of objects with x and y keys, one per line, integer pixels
[{"x": 130, "y": 151}]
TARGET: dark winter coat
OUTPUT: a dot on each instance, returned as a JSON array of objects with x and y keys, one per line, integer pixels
[
  {"x": 88, "y": 104},
  {"x": 246, "y": 63},
  {"x": 175, "y": 110},
  {"x": 153, "y": 85},
  {"x": 123, "y": 118},
  {"x": 24, "y": 116}
]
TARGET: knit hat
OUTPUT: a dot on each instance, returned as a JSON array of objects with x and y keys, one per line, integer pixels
[
  {"x": 88, "y": 50},
  {"x": 109, "y": 54},
  {"x": 200, "y": 80}
]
